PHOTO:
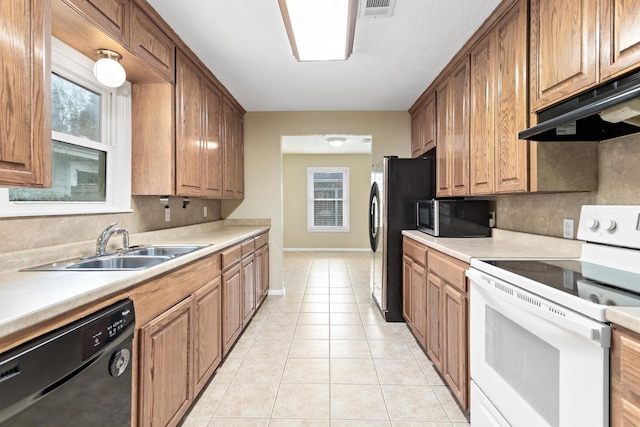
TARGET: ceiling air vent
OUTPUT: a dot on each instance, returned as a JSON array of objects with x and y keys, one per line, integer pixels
[{"x": 377, "y": 8}]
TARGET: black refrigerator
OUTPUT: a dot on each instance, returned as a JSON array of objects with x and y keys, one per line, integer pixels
[{"x": 395, "y": 186}]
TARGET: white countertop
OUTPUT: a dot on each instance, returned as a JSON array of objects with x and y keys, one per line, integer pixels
[
  {"x": 627, "y": 317},
  {"x": 28, "y": 298},
  {"x": 502, "y": 244}
]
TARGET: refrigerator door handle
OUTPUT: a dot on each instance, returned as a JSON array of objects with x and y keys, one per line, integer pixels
[{"x": 374, "y": 214}]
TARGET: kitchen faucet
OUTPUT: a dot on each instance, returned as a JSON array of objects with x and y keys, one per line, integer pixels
[{"x": 103, "y": 239}]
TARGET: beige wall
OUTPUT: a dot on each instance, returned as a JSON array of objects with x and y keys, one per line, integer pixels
[
  {"x": 294, "y": 197},
  {"x": 391, "y": 133},
  {"x": 618, "y": 183},
  {"x": 147, "y": 215}
]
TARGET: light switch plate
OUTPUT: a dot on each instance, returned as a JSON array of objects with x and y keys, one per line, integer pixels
[
  {"x": 167, "y": 214},
  {"x": 567, "y": 228},
  {"x": 205, "y": 211}
]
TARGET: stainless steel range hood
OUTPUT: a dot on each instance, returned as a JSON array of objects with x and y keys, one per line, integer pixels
[{"x": 607, "y": 111}]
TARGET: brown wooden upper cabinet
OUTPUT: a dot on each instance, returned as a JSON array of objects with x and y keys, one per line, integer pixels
[
  {"x": 198, "y": 143},
  {"x": 566, "y": 53},
  {"x": 452, "y": 132},
  {"x": 111, "y": 16},
  {"x": 499, "y": 106},
  {"x": 232, "y": 136},
  {"x": 25, "y": 94},
  {"x": 423, "y": 127},
  {"x": 150, "y": 44}
]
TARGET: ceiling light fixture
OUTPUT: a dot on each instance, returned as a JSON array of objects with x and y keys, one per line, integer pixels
[
  {"x": 108, "y": 70},
  {"x": 320, "y": 30},
  {"x": 336, "y": 141}
]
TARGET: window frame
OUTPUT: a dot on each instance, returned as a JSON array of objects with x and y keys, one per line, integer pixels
[
  {"x": 115, "y": 137},
  {"x": 311, "y": 227}
]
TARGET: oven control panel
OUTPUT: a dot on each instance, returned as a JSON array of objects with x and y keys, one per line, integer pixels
[{"x": 617, "y": 225}]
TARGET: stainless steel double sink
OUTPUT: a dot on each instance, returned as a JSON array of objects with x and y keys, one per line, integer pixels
[{"x": 136, "y": 258}]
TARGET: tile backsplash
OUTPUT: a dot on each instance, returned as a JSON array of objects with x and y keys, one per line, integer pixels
[
  {"x": 147, "y": 215},
  {"x": 618, "y": 183}
]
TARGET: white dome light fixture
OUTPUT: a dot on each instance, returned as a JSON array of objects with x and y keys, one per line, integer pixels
[
  {"x": 336, "y": 141},
  {"x": 108, "y": 70}
]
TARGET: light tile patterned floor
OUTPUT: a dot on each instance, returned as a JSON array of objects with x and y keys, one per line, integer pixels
[{"x": 323, "y": 356}]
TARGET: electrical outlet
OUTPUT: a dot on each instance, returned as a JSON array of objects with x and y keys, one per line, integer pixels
[
  {"x": 167, "y": 214},
  {"x": 492, "y": 219},
  {"x": 205, "y": 211},
  {"x": 567, "y": 229}
]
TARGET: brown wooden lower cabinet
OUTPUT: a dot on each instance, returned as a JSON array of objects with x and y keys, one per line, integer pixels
[
  {"x": 208, "y": 337},
  {"x": 262, "y": 273},
  {"x": 625, "y": 378},
  {"x": 166, "y": 358},
  {"x": 231, "y": 307},
  {"x": 435, "y": 305},
  {"x": 248, "y": 288},
  {"x": 447, "y": 306},
  {"x": 414, "y": 287}
]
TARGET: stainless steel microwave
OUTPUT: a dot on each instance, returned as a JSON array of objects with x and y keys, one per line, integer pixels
[{"x": 453, "y": 218}]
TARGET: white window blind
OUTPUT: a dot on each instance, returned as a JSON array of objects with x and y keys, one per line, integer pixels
[{"x": 328, "y": 199}]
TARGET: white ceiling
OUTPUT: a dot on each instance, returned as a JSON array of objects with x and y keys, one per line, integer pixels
[{"x": 244, "y": 43}]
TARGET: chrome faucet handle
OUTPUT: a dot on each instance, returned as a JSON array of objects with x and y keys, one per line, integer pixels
[
  {"x": 103, "y": 238},
  {"x": 125, "y": 239}
]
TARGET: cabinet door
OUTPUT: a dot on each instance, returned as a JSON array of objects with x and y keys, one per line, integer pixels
[
  {"x": 166, "y": 358},
  {"x": 459, "y": 139},
  {"x": 208, "y": 332},
  {"x": 435, "y": 290},
  {"x": 150, "y": 44},
  {"x": 418, "y": 301},
  {"x": 564, "y": 57},
  {"x": 265, "y": 272},
  {"x": 212, "y": 146},
  {"x": 189, "y": 168},
  {"x": 25, "y": 94},
  {"x": 625, "y": 378},
  {"x": 511, "y": 167},
  {"x": 231, "y": 307},
  {"x": 619, "y": 37},
  {"x": 429, "y": 123},
  {"x": 112, "y": 16},
  {"x": 229, "y": 159},
  {"x": 249, "y": 288},
  {"x": 238, "y": 143},
  {"x": 407, "y": 305},
  {"x": 482, "y": 138},
  {"x": 443, "y": 147},
  {"x": 417, "y": 135},
  {"x": 262, "y": 274},
  {"x": 455, "y": 343}
]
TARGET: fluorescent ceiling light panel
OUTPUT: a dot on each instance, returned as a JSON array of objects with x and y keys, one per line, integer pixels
[{"x": 320, "y": 30}]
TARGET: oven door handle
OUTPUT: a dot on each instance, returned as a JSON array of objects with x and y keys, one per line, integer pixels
[{"x": 541, "y": 308}]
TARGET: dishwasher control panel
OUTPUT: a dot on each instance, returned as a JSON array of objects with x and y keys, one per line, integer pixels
[{"x": 106, "y": 327}]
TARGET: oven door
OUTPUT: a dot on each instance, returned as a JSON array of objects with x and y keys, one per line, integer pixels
[{"x": 536, "y": 362}]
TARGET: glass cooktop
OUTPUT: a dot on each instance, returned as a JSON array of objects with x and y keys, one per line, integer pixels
[{"x": 597, "y": 283}]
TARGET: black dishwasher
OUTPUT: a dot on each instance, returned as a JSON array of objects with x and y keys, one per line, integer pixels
[{"x": 78, "y": 375}]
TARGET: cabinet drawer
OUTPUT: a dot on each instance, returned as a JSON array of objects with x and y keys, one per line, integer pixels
[
  {"x": 415, "y": 250},
  {"x": 262, "y": 240},
  {"x": 151, "y": 45},
  {"x": 230, "y": 256},
  {"x": 248, "y": 246},
  {"x": 450, "y": 269}
]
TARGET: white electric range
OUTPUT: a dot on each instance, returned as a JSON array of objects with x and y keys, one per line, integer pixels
[{"x": 539, "y": 350}]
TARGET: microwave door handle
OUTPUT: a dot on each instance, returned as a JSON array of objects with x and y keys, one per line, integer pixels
[{"x": 510, "y": 293}]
